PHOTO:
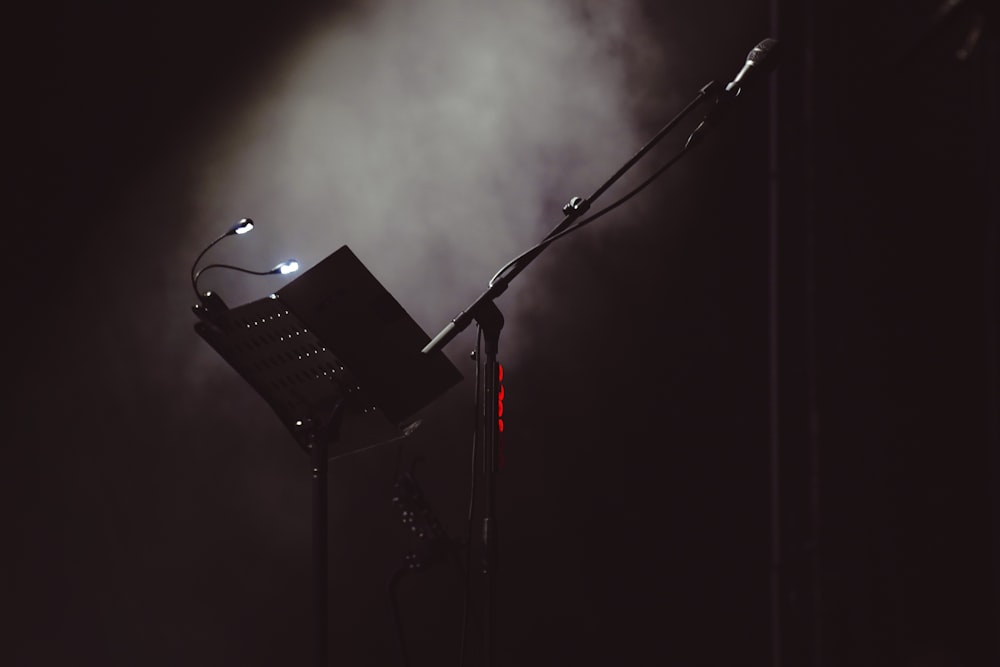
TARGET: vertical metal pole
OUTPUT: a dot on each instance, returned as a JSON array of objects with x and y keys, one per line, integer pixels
[
  {"x": 318, "y": 458},
  {"x": 491, "y": 321}
]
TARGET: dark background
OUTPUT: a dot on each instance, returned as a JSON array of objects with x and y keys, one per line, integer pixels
[{"x": 644, "y": 420}]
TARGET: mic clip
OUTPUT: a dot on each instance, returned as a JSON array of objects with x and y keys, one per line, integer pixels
[{"x": 577, "y": 205}]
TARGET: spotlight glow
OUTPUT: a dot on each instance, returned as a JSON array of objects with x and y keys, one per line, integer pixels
[{"x": 457, "y": 108}]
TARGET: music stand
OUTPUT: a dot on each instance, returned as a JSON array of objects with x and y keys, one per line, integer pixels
[{"x": 339, "y": 361}]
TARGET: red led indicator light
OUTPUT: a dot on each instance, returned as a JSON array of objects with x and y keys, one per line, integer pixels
[{"x": 500, "y": 393}]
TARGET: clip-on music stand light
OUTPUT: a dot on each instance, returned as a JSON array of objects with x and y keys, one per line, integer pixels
[{"x": 339, "y": 361}]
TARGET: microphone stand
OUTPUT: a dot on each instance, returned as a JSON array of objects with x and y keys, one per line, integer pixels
[{"x": 490, "y": 320}]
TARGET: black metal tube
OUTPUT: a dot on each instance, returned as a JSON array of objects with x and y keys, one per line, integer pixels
[
  {"x": 318, "y": 455},
  {"x": 491, "y": 321}
]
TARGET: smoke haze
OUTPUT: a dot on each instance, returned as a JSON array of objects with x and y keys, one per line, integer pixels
[{"x": 437, "y": 139}]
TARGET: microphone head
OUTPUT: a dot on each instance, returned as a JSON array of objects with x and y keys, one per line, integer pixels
[
  {"x": 760, "y": 54},
  {"x": 761, "y": 60}
]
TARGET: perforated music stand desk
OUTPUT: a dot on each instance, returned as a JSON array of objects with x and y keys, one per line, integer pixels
[{"x": 339, "y": 361}]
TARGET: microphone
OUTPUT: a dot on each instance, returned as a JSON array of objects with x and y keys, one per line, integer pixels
[{"x": 761, "y": 60}]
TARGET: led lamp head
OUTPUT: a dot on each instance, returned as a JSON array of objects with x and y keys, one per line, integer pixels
[
  {"x": 291, "y": 266},
  {"x": 242, "y": 227}
]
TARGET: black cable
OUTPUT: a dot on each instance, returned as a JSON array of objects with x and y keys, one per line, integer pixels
[{"x": 537, "y": 248}]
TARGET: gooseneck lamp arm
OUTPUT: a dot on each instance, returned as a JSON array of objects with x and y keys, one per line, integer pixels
[
  {"x": 286, "y": 267},
  {"x": 239, "y": 228}
]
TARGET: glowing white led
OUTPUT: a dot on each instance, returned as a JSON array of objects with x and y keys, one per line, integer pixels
[
  {"x": 243, "y": 226},
  {"x": 291, "y": 266}
]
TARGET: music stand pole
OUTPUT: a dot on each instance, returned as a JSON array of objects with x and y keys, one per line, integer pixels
[
  {"x": 318, "y": 444},
  {"x": 318, "y": 452}
]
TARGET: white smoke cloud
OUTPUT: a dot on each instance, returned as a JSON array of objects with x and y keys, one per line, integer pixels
[{"x": 436, "y": 138}]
